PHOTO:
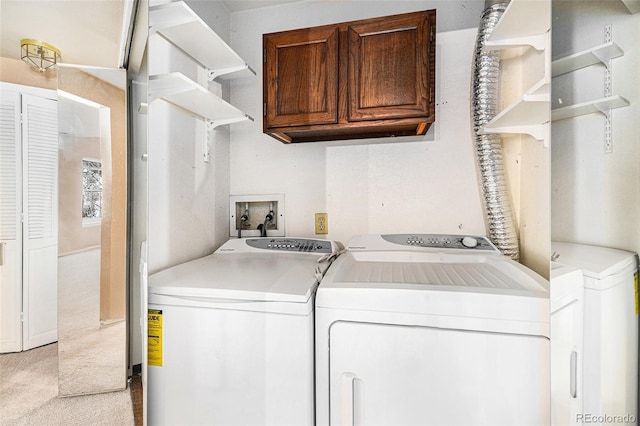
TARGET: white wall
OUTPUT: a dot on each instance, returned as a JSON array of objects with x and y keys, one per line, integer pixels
[
  {"x": 414, "y": 184},
  {"x": 411, "y": 184},
  {"x": 188, "y": 198},
  {"x": 596, "y": 196}
]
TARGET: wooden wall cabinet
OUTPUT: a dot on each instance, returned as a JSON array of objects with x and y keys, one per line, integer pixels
[{"x": 360, "y": 79}]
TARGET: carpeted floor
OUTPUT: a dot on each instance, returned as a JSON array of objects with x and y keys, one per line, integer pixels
[
  {"x": 29, "y": 380},
  {"x": 29, "y": 395},
  {"x": 92, "y": 355},
  {"x": 32, "y": 381}
]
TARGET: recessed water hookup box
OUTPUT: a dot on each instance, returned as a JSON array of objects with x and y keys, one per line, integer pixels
[{"x": 251, "y": 215}]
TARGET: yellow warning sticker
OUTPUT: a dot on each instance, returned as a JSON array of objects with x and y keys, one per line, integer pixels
[
  {"x": 154, "y": 337},
  {"x": 635, "y": 282}
]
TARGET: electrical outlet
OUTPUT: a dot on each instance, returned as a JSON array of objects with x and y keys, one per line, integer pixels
[{"x": 322, "y": 223}]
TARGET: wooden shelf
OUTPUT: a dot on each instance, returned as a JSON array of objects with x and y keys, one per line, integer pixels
[
  {"x": 599, "y": 54},
  {"x": 179, "y": 90},
  {"x": 524, "y": 23},
  {"x": 598, "y": 105},
  {"x": 528, "y": 114},
  {"x": 183, "y": 27}
]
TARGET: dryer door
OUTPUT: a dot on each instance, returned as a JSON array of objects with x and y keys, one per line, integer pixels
[{"x": 391, "y": 375}]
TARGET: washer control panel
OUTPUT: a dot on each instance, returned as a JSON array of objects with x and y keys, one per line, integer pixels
[
  {"x": 292, "y": 244},
  {"x": 441, "y": 241}
]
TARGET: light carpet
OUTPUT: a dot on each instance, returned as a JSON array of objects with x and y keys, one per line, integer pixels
[{"x": 29, "y": 395}]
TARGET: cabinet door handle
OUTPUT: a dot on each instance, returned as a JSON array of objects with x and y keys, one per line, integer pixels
[
  {"x": 2, "y": 253},
  {"x": 573, "y": 374}
]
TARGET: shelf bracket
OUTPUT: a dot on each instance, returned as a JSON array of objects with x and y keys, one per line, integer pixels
[
  {"x": 206, "y": 153},
  {"x": 607, "y": 62},
  {"x": 608, "y": 139},
  {"x": 215, "y": 73},
  {"x": 212, "y": 124},
  {"x": 538, "y": 131},
  {"x": 538, "y": 42}
]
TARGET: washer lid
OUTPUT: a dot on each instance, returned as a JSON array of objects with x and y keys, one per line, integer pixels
[
  {"x": 281, "y": 277},
  {"x": 594, "y": 261},
  {"x": 474, "y": 273},
  {"x": 469, "y": 285}
]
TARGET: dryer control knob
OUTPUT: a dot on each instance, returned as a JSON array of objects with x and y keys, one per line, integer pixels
[{"x": 469, "y": 242}]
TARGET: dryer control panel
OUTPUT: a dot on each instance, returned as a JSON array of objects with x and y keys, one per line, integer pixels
[
  {"x": 441, "y": 241},
  {"x": 292, "y": 244}
]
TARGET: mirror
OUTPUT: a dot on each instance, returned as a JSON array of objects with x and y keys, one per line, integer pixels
[{"x": 92, "y": 230}]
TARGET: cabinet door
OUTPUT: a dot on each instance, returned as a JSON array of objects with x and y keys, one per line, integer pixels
[
  {"x": 301, "y": 77},
  {"x": 391, "y": 67}
]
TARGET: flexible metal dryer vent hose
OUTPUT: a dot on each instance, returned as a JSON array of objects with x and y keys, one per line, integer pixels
[{"x": 489, "y": 153}]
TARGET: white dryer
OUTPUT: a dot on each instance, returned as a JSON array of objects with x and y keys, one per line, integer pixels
[
  {"x": 431, "y": 330},
  {"x": 603, "y": 380},
  {"x": 231, "y": 334}
]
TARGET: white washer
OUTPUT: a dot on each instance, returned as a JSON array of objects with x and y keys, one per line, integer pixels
[
  {"x": 236, "y": 335},
  {"x": 607, "y": 368},
  {"x": 431, "y": 330}
]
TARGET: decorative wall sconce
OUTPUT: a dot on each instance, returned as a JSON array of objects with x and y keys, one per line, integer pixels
[{"x": 38, "y": 54}]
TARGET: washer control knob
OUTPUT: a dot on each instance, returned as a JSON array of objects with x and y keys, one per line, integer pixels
[{"x": 469, "y": 242}]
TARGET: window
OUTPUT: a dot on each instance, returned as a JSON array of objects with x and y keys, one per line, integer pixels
[{"x": 91, "y": 191}]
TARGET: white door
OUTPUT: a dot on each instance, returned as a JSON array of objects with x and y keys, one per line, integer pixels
[
  {"x": 567, "y": 358},
  {"x": 40, "y": 226},
  {"x": 403, "y": 375},
  {"x": 10, "y": 223}
]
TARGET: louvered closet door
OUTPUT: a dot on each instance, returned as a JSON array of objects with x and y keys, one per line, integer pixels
[
  {"x": 10, "y": 226},
  {"x": 40, "y": 203}
]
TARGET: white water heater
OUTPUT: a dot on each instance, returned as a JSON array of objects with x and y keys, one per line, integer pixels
[{"x": 601, "y": 363}]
